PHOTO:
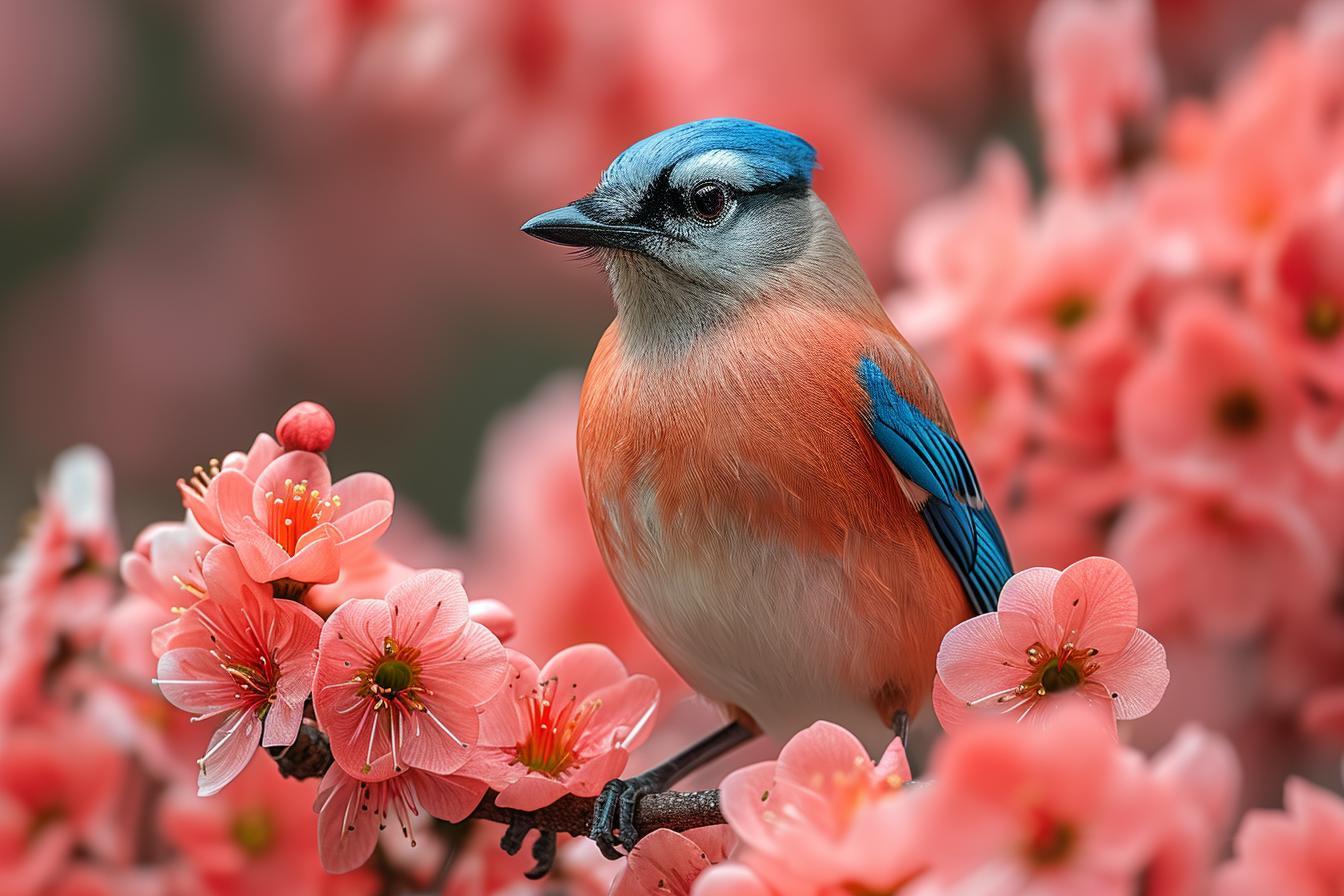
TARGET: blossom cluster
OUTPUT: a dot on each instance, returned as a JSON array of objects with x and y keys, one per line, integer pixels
[
  {"x": 270, "y": 614},
  {"x": 1146, "y": 360}
]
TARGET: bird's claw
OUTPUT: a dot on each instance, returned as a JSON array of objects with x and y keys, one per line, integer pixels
[
  {"x": 543, "y": 850},
  {"x": 614, "y": 814}
]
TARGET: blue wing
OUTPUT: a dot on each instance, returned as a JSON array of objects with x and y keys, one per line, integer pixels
[{"x": 962, "y": 524}]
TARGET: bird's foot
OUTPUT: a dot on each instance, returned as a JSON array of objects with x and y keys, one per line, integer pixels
[
  {"x": 543, "y": 850},
  {"x": 614, "y": 813}
]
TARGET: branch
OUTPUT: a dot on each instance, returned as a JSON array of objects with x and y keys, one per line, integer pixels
[{"x": 310, "y": 757}]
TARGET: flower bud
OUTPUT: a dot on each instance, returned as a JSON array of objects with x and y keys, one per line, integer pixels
[{"x": 306, "y": 427}]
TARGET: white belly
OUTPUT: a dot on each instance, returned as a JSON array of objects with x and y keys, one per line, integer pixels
[{"x": 751, "y": 624}]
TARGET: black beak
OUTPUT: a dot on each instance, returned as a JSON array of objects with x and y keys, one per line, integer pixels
[{"x": 571, "y": 226}]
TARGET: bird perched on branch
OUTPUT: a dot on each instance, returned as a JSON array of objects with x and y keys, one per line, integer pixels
[{"x": 771, "y": 472}]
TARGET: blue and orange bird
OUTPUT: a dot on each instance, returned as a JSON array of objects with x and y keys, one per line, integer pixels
[{"x": 772, "y": 475}]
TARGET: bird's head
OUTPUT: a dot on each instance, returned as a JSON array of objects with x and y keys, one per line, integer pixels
[{"x": 697, "y": 220}]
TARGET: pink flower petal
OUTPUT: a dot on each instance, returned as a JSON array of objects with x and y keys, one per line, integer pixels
[
  {"x": 742, "y": 797},
  {"x": 625, "y": 716},
  {"x": 346, "y": 831},
  {"x": 895, "y": 762},
  {"x": 260, "y": 555},
  {"x": 531, "y": 792},
  {"x": 664, "y": 862},
  {"x": 584, "y": 668},
  {"x": 495, "y": 616},
  {"x": 317, "y": 560},
  {"x": 1078, "y": 704},
  {"x": 1026, "y": 608},
  {"x": 590, "y": 777},
  {"x": 364, "y": 525},
  {"x": 190, "y": 679},
  {"x": 449, "y": 797},
  {"x": 823, "y": 746},
  {"x": 429, "y": 606},
  {"x": 1096, "y": 599},
  {"x": 731, "y": 880},
  {"x": 230, "y": 750},
  {"x": 477, "y": 664},
  {"x": 976, "y": 660},
  {"x": 1137, "y": 677},
  {"x": 438, "y": 746},
  {"x": 360, "y": 489},
  {"x": 952, "y": 711},
  {"x": 282, "y": 724},
  {"x": 233, "y": 493}
]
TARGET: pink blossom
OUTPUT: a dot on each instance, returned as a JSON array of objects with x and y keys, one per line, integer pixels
[
  {"x": 57, "y": 777},
  {"x": 401, "y": 681},
  {"x": 165, "y": 568},
  {"x": 200, "y": 492},
  {"x": 351, "y": 812},
  {"x": 1303, "y": 300},
  {"x": 1058, "y": 639},
  {"x": 1223, "y": 561},
  {"x": 1095, "y": 75},
  {"x": 961, "y": 249},
  {"x": 1214, "y": 404},
  {"x": 1293, "y": 851},
  {"x": 667, "y": 863},
  {"x": 254, "y": 833},
  {"x": 824, "y": 816},
  {"x": 568, "y": 727},
  {"x": 292, "y": 525},
  {"x": 60, "y": 569},
  {"x": 244, "y": 655},
  {"x": 1058, "y": 808},
  {"x": 1197, "y": 777},
  {"x": 306, "y": 427}
]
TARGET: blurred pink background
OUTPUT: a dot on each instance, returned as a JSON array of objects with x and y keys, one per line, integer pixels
[{"x": 211, "y": 210}]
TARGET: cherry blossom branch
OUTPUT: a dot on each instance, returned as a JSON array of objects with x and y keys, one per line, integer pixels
[{"x": 310, "y": 757}]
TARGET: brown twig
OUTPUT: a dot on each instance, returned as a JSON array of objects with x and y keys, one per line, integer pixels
[{"x": 310, "y": 757}]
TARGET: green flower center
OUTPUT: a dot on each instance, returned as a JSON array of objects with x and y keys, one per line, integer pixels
[
  {"x": 1058, "y": 677},
  {"x": 393, "y": 675},
  {"x": 1324, "y": 318},
  {"x": 254, "y": 832},
  {"x": 1072, "y": 310}
]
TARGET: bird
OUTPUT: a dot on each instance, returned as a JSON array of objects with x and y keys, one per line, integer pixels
[{"x": 772, "y": 476}]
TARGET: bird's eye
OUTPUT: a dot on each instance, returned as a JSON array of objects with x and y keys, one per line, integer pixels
[{"x": 709, "y": 200}]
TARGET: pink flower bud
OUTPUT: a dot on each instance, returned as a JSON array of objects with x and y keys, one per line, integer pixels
[{"x": 306, "y": 427}]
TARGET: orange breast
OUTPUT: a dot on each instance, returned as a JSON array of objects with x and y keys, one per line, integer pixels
[{"x": 763, "y": 423}]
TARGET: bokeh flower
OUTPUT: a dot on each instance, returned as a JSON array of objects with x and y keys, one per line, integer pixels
[
  {"x": 1057, "y": 808},
  {"x": 254, "y": 833},
  {"x": 1293, "y": 851},
  {"x": 821, "y": 818}
]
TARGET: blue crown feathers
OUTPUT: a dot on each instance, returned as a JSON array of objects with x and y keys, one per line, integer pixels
[{"x": 774, "y": 156}]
